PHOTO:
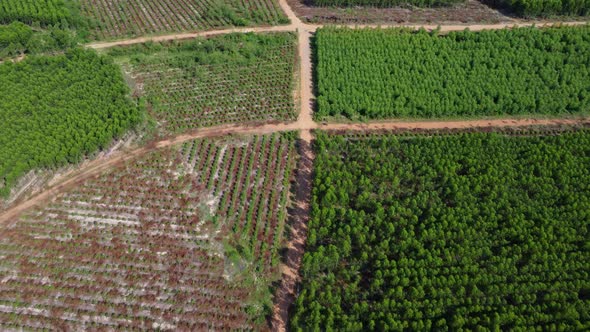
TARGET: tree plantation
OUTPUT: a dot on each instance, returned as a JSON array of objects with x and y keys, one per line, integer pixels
[
  {"x": 294, "y": 165},
  {"x": 56, "y": 109},
  {"x": 384, "y": 73},
  {"x": 469, "y": 231},
  {"x": 18, "y": 38},
  {"x": 119, "y": 18},
  {"x": 45, "y": 12},
  {"x": 234, "y": 78},
  {"x": 545, "y": 8}
]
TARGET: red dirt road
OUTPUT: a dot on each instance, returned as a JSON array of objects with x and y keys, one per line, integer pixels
[
  {"x": 100, "y": 165},
  {"x": 299, "y": 217}
]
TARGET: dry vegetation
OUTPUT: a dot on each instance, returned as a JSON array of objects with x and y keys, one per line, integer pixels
[
  {"x": 471, "y": 11},
  {"x": 183, "y": 238}
]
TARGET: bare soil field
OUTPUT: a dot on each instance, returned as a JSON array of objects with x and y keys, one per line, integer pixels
[
  {"x": 184, "y": 238},
  {"x": 471, "y": 12}
]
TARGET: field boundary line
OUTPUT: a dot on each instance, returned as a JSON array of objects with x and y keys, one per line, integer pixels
[{"x": 98, "y": 166}]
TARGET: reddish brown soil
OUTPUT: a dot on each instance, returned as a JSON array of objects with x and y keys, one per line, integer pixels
[
  {"x": 299, "y": 217},
  {"x": 472, "y": 11}
]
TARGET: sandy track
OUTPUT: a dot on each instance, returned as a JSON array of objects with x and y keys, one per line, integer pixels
[
  {"x": 298, "y": 219},
  {"x": 297, "y": 25},
  {"x": 404, "y": 125},
  {"x": 189, "y": 35},
  {"x": 313, "y": 27},
  {"x": 449, "y": 28}
]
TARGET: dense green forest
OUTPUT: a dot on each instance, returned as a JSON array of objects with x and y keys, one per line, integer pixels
[
  {"x": 43, "y": 12},
  {"x": 383, "y": 73},
  {"x": 386, "y": 3},
  {"x": 469, "y": 231},
  {"x": 40, "y": 26},
  {"x": 544, "y": 8},
  {"x": 56, "y": 109},
  {"x": 18, "y": 38}
]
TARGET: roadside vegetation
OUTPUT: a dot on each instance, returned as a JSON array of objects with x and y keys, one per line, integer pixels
[
  {"x": 466, "y": 231},
  {"x": 185, "y": 238},
  {"x": 234, "y": 78},
  {"x": 397, "y": 73},
  {"x": 57, "y": 109}
]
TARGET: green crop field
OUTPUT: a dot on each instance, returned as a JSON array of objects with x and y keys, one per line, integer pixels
[
  {"x": 387, "y": 73},
  {"x": 235, "y": 78},
  {"x": 466, "y": 231},
  {"x": 56, "y": 109}
]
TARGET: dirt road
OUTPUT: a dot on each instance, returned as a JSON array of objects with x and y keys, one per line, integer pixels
[
  {"x": 297, "y": 25},
  {"x": 299, "y": 218},
  {"x": 189, "y": 35},
  {"x": 100, "y": 165},
  {"x": 403, "y": 125},
  {"x": 449, "y": 28}
]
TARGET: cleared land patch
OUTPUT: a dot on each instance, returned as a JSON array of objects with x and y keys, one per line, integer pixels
[
  {"x": 235, "y": 78},
  {"x": 56, "y": 109},
  {"x": 448, "y": 231},
  {"x": 121, "y": 18},
  {"x": 385, "y": 3},
  {"x": 183, "y": 238},
  {"x": 387, "y": 73},
  {"x": 470, "y": 11}
]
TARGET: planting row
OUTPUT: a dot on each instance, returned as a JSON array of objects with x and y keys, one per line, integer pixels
[
  {"x": 122, "y": 18},
  {"x": 386, "y": 3},
  {"x": 182, "y": 239},
  {"x": 523, "y": 8},
  {"x": 235, "y": 78}
]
